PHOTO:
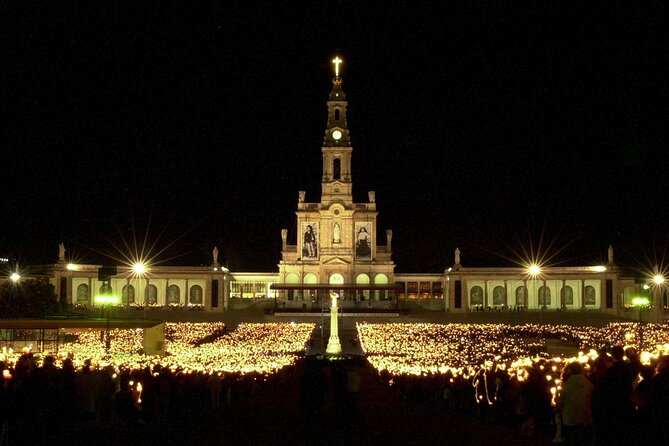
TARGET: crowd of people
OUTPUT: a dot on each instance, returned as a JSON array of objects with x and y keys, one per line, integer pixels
[
  {"x": 47, "y": 396},
  {"x": 205, "y": 367},
  {"x": 611, "y": 393},
  {"x": 608, "y": 391}
]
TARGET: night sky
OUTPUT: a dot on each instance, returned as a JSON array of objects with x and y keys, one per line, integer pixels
[{"x": 497, "y": 129}]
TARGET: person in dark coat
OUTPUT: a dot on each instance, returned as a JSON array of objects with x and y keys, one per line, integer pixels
[{"x": 574, "y": 403}]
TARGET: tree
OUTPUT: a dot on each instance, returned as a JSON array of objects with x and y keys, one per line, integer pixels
[{"x": 28, "y": 298}]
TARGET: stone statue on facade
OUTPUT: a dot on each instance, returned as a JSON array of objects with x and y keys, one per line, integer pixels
[
  {"x": 336, "y": 233},
  {"x": 284, "y": 238},
  {"x": 372, "y": 196},
  {"x": 389, "y": 239},
  {"x": 610, "y": 255},
  {"x": 61, "y": 252},
  {"x": 457, "y": 256},
  {"x": 300, "y": 196},
  {"x": 215, "y": 254}
]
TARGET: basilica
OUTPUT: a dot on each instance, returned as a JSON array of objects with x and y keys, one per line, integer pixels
[{"x": 339, "y": 249}]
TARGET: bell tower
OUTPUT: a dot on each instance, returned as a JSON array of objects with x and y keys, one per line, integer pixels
[
  {"x": 336, "y": 183},
  {"x": 336, "y": 241}
]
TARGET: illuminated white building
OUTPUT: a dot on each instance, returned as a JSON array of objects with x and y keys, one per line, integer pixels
[{"x": 336, "y": 247}]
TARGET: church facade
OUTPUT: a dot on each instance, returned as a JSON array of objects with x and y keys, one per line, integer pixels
[{"x": 338, "y": 247}]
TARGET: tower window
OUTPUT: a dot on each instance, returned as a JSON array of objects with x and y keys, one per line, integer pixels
[
  {"x": 336, "y": 169},
  {"x": 336, "y": 114}
]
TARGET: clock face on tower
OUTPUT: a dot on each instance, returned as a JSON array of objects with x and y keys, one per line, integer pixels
[{"x": 336, "y": 135}]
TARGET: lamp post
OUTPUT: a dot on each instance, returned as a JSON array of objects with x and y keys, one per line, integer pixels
[
  {"x": 106, "y": 300},
  {"x": 658, "y": 285},
  {"x": 14, "y": 277},
  {"x": 322, "y": 323},
  {"x": 534, "y": 270},
  {"x": 640, "y": 303}
]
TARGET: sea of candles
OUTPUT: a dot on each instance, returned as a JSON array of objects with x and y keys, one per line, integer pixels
[
  {"x": 461, "y": 351},
  {"x": 201, "y": 347},
  {"x": 475, "y": 353},
  {"x": 464, "y": 349}
]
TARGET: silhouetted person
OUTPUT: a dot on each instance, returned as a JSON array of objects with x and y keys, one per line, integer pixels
[
  {"x": 537, "y": 396},
  {"x": 642, "y": 395},
  {"x": 614, "y": 409},
  {"x": 352, "y": 389},
  {"x": 69, "y": 393},
  {"x": 124, "y": 404},
  {"x": 214, "y": 384},
  {"x": 574, "y": 404},
  {"x": 312, "y": 393},
  {"x": 660, "y": 400},
  {"x": 85, "y": 392}
]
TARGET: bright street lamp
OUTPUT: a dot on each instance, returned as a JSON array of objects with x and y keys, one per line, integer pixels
[
  {"x": 139, "y": 268},
  {"x": 15, "y": 277},
  {"x": 534, "y": 270}
]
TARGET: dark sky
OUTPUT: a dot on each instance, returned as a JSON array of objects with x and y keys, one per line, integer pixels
[{"x": 491, "y": 128}]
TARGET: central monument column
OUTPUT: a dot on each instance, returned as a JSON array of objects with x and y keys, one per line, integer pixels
[{"x": 334, "y": 346}]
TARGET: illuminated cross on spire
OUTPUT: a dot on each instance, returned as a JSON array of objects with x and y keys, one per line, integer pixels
[{"x": 336, "y": 61}]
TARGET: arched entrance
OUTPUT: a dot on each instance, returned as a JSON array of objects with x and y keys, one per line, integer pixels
[
  {"x": 310, "y": 278},
  {"x": 381, "y": 279},
  {"x": 362, "y": 279},
  {"x": 337, "y": 279},
  {"x": 292, "y": 278}
]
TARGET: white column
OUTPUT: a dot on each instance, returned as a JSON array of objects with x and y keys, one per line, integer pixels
[{"x": 334, "y": 346}]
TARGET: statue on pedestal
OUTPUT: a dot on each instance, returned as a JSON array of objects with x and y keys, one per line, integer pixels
[{"x": 334, "y": 346}]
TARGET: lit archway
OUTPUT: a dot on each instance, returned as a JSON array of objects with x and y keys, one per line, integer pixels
[
  {"x": 82, "y": 293},
  {"x": 362, "y": 279},
  {"x": 476, "y": 296},
  {"x": 292, "y": 278},
  {"x": 381, "y": 279},
  {"x": 336, "y": 279},
  {"x": 128, "y": 294},
  {"x": 499, "y": 296},
  {"x": 308, "y": 279}
]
